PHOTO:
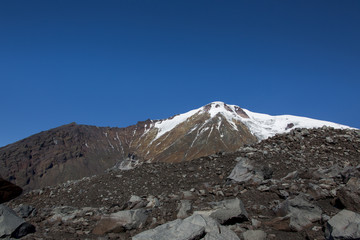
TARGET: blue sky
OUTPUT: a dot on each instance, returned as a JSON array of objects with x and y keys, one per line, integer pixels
[{"x": 113, "y": 63}]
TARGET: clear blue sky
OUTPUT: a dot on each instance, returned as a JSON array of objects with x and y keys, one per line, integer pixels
[{"x": 113, "y": 63}]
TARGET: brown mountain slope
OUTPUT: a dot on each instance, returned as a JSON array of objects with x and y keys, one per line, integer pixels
[
  {"x": 74, "y": 151},
  {"x": 68, "y": 152}
]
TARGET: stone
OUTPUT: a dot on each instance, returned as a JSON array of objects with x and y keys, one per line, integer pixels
[
  {"x": 227, "y": 212},
  {"x": 64, "y": 213},
  {"x": 134, "y": 199},
  {"x": 24, "y": 210},
  {"x": 301, "y": 212},
  {"x": 152, "y": 202},
  {"x": 329, "y": 140},
  {"x": 210, "y": 224},
  {"x": 283, "y": 194},
  {"x": 344, "y": 225},
  {"x": 254, "y": 235},
  {"x": 244, "y": 172},
  {"x": 353, "y": 184},
  {"x": 191, "y": 228},
  {"x": 279, "y": 223},
  {"x": 349, "y": 199},
  {"x": 317, "y": 192},
  {"x": 223, "y": 234},
  {"x": 184, "y": 207},
  {"x": 291, "y": 175},
  {"x": 12, "y": 225},
  {"x": 121, "y": 221},
  {"x": 333, "y": 171},
  {"x": 175, "y": 230},
  {"x": 267, "y": 172},
  {"x": 187, "y": 195},
  {"x": 349, "y": 195},
  {"x": 255, "y": 223},
  {"x": 8, "y": 191}
]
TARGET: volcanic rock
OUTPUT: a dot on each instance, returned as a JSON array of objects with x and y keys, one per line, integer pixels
[
  {"x": 344, "y": 225},
  {"x": 8, "y": 191},
  {"x": 11, "y": 225},
  {"x": 121, "y": 221},
  {"x": 301, "y": 212},
  {"x": 227, "y": 211}
]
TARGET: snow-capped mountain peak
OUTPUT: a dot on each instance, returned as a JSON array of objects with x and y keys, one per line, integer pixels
[
  {"x": 260, "y": 125},
  {"x": 230, "y": 112},
  {"x": 215, "y": 127}
]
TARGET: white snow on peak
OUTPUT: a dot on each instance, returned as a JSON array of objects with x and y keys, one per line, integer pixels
[
  {"x": 167, "y": 125},
  {"x": 261, "y": 125},
  {"x": 213, "y": 109},
  {"x": 264, "y": 126},
  {"x": 227, "y": 111}
]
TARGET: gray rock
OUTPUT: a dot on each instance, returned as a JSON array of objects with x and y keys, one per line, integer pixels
[
  {"x": 187, "y": 195},
  {"x": 318, "y": 192},
  {"x": 12, "y": 225},
  {"x": 152, "y": 202},
  {"x": 344, "y": 225},
  {"x": 227, "y": 211},
  {"x": 175, "y": 230},
  {"x": 244, "y": 171},
  {"x": 329, "y": 140},
  {"x": 301, "y": 212},
  {"x": 191, "y": 228},
  {"x": 291, "y": 175},
  {"x": 254, "y": 235},
  {"x": 349, "y": 195},
  {"x": 184, "y": 207},
  {"x": 333, "y": 171},
  {"x": 134, "y": 199},
  {"x": 64, "y": 213},
  {"x": 213, "y": 229},
  {"x": 24, "y": 210},
  {"x": 255, "y": 223},
  {"x": 223, "y": 234},
  {"x": 121, "y": 221},
  {"x": 284, "y": 194}
]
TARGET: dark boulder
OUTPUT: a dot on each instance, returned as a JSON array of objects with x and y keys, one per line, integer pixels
[{"x": 8, "y": 191}]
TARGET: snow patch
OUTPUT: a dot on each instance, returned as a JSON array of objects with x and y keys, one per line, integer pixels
[
  {"x": 264, "y": 126},
  {"x": 167, "y": 125}
]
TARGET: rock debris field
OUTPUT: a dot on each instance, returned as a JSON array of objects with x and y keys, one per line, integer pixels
[{"x": 300, "y": 185}]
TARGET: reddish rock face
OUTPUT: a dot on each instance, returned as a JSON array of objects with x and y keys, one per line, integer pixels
[{"x": 8, "y": 191}]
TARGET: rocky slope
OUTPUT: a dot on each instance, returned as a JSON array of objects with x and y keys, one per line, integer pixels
[
  {"x": 74, "y": 151},
  {"x": 299, "y": 185}
]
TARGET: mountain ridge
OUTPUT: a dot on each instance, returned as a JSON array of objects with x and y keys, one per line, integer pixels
[{"x": 73, "y": 151}]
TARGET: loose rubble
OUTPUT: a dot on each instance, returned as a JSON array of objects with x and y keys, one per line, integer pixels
[{"x": 300, "y": 185}]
